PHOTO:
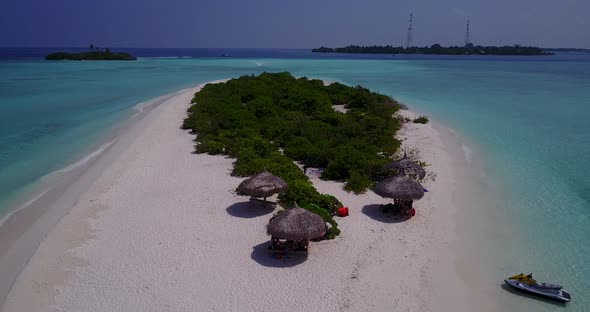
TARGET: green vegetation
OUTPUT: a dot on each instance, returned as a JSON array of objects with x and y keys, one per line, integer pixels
[
  {"x": 106, "y": 55},
  {"x": 438, "y": 49},
  {"x": 421, "y": 120},
  {"x": 271, "y": 120}
]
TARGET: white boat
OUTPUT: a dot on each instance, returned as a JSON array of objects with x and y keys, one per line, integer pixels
[{"x": 528, "y": 284}]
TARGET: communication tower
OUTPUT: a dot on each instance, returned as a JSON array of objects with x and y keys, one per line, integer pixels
[
  {"x": 410, "y": 36},
  {"x": 467, "y": 34}
]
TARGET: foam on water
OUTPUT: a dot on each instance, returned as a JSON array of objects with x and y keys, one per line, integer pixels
[
  {"x": 467, "y": 152},
  {"x": 25, "y": 205},
  {"x": 82, "y": 162}
]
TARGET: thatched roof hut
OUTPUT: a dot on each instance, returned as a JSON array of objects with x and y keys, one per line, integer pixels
[
  {"x": 400, "y": 187},
  {"x": 407, "y": 167},
  {"x": 263, "y": 184},
  {"x": 296, "y": 224}
]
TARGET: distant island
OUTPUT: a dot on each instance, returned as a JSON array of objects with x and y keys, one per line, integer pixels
[
  {"x": 105, "y": 55},
  {"x": 438, "y": 49}
]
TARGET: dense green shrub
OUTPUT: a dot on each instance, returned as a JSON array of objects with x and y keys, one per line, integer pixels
[
  {"x": 210, "y": 147},
  {"x": 421, "y": 120},
  {"x": 300, "y": 191},
  {"x": 252, "y": 118},
  {"x": 358, "y": 180}
]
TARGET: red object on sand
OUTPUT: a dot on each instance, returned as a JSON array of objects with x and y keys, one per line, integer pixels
[
  {"x": 343, "y": 211},
  {"x": 412, "y": 212}
]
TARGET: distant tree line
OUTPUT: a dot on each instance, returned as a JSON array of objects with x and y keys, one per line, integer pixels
[
  {"x": 438, "y": 49},
  {"x": 568, "y": 50},
  {"x": 95, "y": 54}
]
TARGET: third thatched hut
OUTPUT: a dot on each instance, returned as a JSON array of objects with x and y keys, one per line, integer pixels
[{"x": 296, "y": 224}]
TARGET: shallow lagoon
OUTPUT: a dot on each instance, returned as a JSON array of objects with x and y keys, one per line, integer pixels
[{"x": 523, "y": 121}]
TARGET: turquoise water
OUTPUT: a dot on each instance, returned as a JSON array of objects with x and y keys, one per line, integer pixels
[{"x": 525, "y": 119}]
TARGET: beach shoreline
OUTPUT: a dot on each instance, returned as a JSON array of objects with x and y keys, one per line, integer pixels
[
  {"x": 158, "y": 228},
  {"x": 37, "y": 211}
]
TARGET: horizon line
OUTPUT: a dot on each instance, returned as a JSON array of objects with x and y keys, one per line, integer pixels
[{"x": 264, "y": 48}]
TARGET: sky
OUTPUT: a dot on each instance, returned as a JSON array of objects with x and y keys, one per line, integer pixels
[{"x": 291, "y": 23}]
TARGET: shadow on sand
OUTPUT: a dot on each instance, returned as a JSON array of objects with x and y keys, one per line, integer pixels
[
  {"x": 260, "y": 254},
  {"x": 374, "y": 212},
  {"x": 249, "y": 209},
  {"x": 531, "y": 296}
]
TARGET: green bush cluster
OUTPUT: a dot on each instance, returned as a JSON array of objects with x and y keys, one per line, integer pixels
[
  {"x": 269, "y": 121},
  {"x": 421, "y": 120}
]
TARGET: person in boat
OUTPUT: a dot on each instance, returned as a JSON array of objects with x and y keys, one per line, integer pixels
[{"x": 528, "y": 279}]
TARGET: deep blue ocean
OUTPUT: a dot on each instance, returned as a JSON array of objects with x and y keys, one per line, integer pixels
[{"x": 525, "y": 118}]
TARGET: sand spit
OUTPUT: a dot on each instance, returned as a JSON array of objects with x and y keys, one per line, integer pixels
[{"x": 162, "y": 230}]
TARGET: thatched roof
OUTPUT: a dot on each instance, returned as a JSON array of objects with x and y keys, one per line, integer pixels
[
  {"x": 296, "y": 224},
  {"x": 400, "y": 187},
  {"x": 407, "y": 167},
  {"x": 263, "y": 184}
]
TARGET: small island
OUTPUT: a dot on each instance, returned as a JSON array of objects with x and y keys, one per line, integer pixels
[
  {"x": 468, "y": 49},
  {"x": 269, "y": 122},
  {"x": 105, "y": 55}
]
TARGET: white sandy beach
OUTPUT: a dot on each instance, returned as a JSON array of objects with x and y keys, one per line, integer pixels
[{"x": 161, "y": 229}]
